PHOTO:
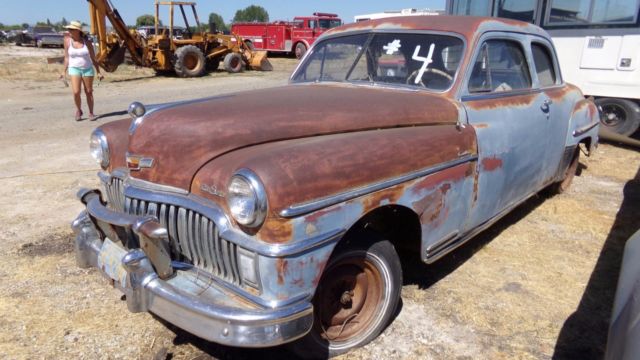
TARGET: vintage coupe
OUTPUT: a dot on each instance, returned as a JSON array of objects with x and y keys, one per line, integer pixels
[{"x": 259, "y": 218}]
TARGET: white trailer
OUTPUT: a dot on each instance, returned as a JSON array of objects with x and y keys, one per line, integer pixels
[{"x": 598, "y": 46}]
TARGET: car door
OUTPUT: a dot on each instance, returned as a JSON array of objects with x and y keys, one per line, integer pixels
[
  {"x": 509, "y": 117},
  {"x": 556, "y": 105}
]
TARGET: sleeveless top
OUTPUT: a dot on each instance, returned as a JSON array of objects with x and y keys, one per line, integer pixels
[{"x": 79, "y": 58}]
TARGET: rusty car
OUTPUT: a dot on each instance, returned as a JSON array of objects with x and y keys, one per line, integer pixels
[{"x": 276, "y": 216}]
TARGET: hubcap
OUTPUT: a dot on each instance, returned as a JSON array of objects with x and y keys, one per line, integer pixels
[
  {"x": 612, "y": 115},
  {"x": 348, "y": 299}
]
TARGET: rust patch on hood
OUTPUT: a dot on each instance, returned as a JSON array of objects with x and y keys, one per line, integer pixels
[
  {"x": 183, "y": 138},
  {"x": 491, "y": 163}
]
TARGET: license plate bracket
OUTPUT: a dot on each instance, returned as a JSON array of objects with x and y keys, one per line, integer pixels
[{"x": 110, "y": 262}]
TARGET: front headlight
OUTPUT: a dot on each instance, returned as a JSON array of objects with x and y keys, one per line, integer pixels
[
  {"x": 247, "y": 199},
  {"x": 99, "y": 148}
]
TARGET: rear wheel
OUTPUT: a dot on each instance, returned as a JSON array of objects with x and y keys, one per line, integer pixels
[
  {"x": 564, "y": 184},
  {"x": 619, "y": 115},
  {"x": 300, "y": 50},
  {"x": 189, "y": 61},
  {"x": 233, "y": 62},
  {"x": 356, "y": 298}
]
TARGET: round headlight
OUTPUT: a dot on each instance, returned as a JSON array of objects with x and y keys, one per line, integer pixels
[
  {"x": 247, "y": 199},
  {"x": 99, "y": 148}
]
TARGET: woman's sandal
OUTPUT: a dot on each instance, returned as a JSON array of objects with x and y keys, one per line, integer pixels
[
  {"x": 78, "y": 115},
  {"x": 93, "y": 117}
]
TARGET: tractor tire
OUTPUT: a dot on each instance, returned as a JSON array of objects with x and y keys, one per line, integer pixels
[
  {"x": 356, "y": 298},
  {"x": 233, "y": 63},
  {"x": 300, "y": 50},
  {"x": 189, "y": 61},
  {"x": 619, "y": 115}
]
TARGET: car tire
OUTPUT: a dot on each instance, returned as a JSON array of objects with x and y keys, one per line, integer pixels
[
  {"x": 563, "y": 185},
  {"x": 189, "y": 61},
  {"x": 300, "y": 50},
  {"x": 233, "y": 63},
  {"x": 356, "y": 298},
  {"x": 619, "y": 115}
]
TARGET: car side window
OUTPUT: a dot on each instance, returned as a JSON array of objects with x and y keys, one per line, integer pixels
[
  {"x": 501, "y": 66},
  {"x": 544, "y": 65}
]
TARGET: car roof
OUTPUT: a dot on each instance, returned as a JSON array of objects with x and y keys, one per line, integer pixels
[{"x": 467, "y": 26}]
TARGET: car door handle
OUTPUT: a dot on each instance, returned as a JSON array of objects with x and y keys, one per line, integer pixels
[{"x": 545, "y": 106}]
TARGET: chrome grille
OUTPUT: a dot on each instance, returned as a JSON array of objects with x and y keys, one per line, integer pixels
[
  {"x": 193, "y": 237},
  {"x": 115, "y": 193}
]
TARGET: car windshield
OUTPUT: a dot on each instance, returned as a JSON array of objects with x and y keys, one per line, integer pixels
[{"x": 418, "y": 60}]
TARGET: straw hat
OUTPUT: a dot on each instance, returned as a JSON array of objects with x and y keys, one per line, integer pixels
[{"x": 74, "y": 25}]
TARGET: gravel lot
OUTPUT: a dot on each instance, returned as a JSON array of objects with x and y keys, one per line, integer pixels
[{"x": 539, "y": 284}]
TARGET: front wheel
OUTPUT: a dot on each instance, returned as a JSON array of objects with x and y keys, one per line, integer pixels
[
  {"x": 300, "y": 50},
  {"x": 563, "y": 185},
  {"x": 621, "y": 116},
  {"x": 356, "y": 298},
  {"x": 189, "y": 61},
  {"x": 233, "y": 63}
]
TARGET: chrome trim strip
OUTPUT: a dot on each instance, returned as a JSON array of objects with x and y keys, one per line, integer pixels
[
  {"x": 584, "y": 129},
  {"x": 314, "y": 205},
  {"x": 147, "y": 185}
]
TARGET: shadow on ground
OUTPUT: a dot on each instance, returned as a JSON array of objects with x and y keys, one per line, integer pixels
[{"x": 584, "y": 334}]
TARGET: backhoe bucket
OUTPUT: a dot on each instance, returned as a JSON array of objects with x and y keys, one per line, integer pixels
[
  {"x": 114, "y": 58},
  {"x": 259, "y": 61}
]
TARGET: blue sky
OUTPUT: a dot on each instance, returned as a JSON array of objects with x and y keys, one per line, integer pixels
[{"x": 31, "y": 11}]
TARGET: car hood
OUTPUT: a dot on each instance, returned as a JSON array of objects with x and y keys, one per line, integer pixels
[{"x": 184, "y": 137}]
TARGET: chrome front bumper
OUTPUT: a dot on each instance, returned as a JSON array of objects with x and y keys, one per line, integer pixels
[{"x": 181, "y": 296}]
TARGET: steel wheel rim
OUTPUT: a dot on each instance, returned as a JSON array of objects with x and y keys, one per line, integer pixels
[
  {"x": 190, "y": 61},
  {"x": 613, "y": 115},
  {"x": 350, "y": 300}
]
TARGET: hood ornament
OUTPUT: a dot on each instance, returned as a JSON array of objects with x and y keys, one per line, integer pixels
[{"x": 136, "y": 110}]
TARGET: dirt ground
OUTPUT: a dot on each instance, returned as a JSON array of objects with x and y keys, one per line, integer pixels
[{"x": 537, "y": 285}]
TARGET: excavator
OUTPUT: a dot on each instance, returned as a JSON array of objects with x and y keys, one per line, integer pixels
[{"x": 189, "y": 56}]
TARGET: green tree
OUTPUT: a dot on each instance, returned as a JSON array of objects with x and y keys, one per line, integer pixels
[
  {"x": 217, "y": 19},
  {"x": 48, "y": 22},
  {"x": 64, "y": 22},
  {"x": 25, "y": 25},
  {"x": 146, "y": 20},
  {"x": 251, "y": 13}
]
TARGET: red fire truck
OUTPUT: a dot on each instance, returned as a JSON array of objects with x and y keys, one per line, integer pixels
[{"x": 286, "y": 36}]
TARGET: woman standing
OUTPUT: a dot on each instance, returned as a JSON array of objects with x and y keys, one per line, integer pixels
[{"x": 79, "y": 61}]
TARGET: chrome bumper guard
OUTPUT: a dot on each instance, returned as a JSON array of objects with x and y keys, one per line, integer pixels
[{"x": 174, "y": 294}]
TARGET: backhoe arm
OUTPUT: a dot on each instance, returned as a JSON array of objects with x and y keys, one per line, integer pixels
[{"x": 111, "y": 52}]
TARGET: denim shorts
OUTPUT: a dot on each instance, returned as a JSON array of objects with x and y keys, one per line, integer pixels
[{"x": 76, "y": 71}]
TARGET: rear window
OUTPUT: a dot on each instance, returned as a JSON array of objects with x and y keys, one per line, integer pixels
[{"x": 544, "y": 65}]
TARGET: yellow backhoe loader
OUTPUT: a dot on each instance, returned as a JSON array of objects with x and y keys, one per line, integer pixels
[{"x": 189, "y": 56}]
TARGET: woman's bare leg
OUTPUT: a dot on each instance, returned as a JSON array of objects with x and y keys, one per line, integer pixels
[
  {"x": 88, "y": 91},
  {"x": 76, "y": 83}
]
